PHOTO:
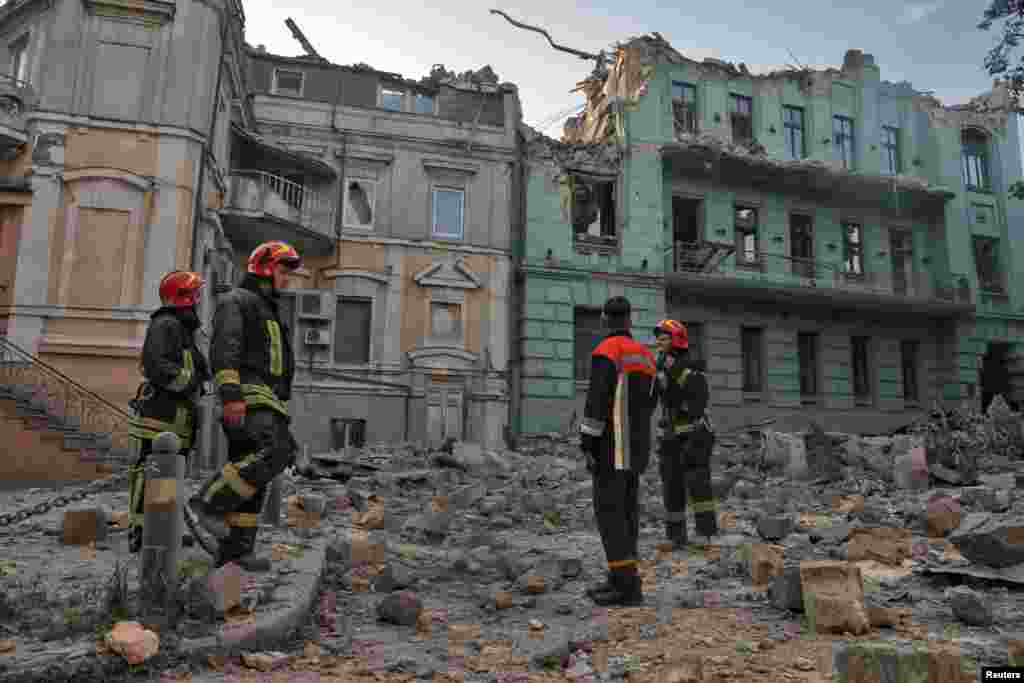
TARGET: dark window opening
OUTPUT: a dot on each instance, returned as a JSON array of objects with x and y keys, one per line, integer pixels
[
  {"x": 975, "y": 159},
  {"x": 861, "y": 370},
  {"x": 901, "y": 247},
  {"x": 288, "y": 83},
  {"x": 741, "y": 114},
  {"x": 793, "y": 127},
  {"x": 588, "y": 332},
  {"x": 352, "y": 331},
  {"x": 853, "y": 249},
  {"x": 986, "y": 263},
  {"x": 891, "y": 150},
  {"x": 752, "y": 358},
  {"x": 747, "y": 247},
  {"x": 593, "y": 209},
  {"x": 909, "y": 351},
  {"x": 807, "y": 348},
  {"x": 801, "y": 239},
  {"x": 684, "y": 107},
  {"x": 995, "y": 375},
  {"x": 842, "y": 132}
]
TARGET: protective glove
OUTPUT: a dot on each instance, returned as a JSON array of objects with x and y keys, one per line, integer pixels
[{"x": 234, "y": 413}]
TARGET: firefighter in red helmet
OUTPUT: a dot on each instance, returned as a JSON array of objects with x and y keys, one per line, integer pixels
[
  {"x": 175, "y": 373},
  {"x": 253, "y": 365},
  {"x": 687, "y": 435}
]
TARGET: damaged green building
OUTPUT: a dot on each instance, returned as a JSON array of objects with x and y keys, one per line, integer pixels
[{"x": 842, "y": 248}]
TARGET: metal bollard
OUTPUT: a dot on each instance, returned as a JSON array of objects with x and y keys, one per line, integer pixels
[
  {"x": 164, "y": 523},
  {"x": 272, "y": 503}
]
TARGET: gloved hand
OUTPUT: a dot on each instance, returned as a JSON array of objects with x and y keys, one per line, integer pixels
[{"x": 234, "y": 413}]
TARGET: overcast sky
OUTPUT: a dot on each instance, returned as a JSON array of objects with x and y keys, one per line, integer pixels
[{"x": 934, "y": 45}]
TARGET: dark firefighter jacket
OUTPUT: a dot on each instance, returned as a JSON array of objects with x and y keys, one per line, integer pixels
[
  {"x": 616, "y": 426},
  {"x": 251, "y": 351},
  {"x": 174, "y": 370},
  {"x": 683, "y": 392}
]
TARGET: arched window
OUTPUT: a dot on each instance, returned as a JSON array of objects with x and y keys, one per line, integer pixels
[{"x": 975, "y": 159}]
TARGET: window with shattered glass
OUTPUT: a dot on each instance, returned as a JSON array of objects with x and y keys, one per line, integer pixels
[
  {"x": 859, "y": 347},
  {"x": 842, "y": 133},
  {"x": 359, "y": 203},
  {"x": 593, "y": 208},
  {"x": 741, "y": 114},
  {"x": 853, "y": 249},
  {"x": 288, "y": 83},
  {"x": 747, "y": 247},
  {"x": 975, "y": 159},
  {"x": 890, "y": 150},
  {"x": 684, "y": 107}
]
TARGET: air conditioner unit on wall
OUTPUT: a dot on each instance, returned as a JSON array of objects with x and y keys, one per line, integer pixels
[{"x": 318, "y": 338}]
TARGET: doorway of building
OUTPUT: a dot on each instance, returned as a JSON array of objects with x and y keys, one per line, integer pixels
[
  {"x": 994, "y": 376},
  {"x": 685, "y": 225},
  {"x": 444, "y": 414}
]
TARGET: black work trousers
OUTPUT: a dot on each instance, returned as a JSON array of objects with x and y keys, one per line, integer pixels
[
  {"x": 686, "y": 469},
  {"x": 616, "y": 508},
  {"x": 258, "y": 451}
]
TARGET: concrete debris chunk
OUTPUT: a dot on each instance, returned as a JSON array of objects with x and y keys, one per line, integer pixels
[
  {"x": 970, "y": 607},
  {"x": 786, "y": 452},
  {"x": 992, "y": 540},
  {"x": 883, "y": 544},
  {"x": 944, "y": 515},
  {"x": 834, "y": 597},
  {"x": 83, "y": 526},
  {"x": 402, "y": 608},
  {"x": 786, "y": 591},
  {"x": 133, "y": 642},
  {"x": 775, "y": 527}
]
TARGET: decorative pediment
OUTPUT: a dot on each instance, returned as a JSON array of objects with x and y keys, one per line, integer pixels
[{"x": 448, "y": 274}]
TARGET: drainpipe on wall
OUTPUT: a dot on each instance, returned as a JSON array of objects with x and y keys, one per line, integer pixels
[{"x": 518, "y": 301}]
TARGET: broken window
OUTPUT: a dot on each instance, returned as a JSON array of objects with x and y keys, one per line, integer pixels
[
  {"x": 986, "y": 263},
  {"x": 359, "y": 203},
  {"x": 684, "y": 107},
  {"x": 975, "y": 159},
  {"x": 807, "y": 350},
  {"x": 746, "y": 234},
  {"x": 861, "y": 371},
  {"x": 424, "y": 104},
  {"x": 752, "y": 348},
  {"x": 842, "y": 132},
  {"x": 890, "y": 150},
  {"x": 853, "y": 249},
  {"x": 909, "y": 350},
  {"x": 588, "y": 332},
  {"x": 391, "y": 99},
  {"x": 448, "y": 210},
  {"x": 793, "y": 127},
  {"x": 446, "y": 321},
  {"x": 741, "y": 113},
  {"x": 801, "y": 241},
  {"x": 288, "y": 82},
  {"x": 593, "y": 208},
  {"x": 352, "y": 330}
]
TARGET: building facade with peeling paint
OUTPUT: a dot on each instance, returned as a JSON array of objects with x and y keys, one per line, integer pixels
[
  {"x": 841, "y": 247},
  {"x": 400, "y": 196},
  {"x": 106, "y": 186}
]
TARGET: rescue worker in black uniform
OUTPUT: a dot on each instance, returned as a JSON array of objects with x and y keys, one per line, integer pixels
[
  {"x": 253, "y": 366},
  {"x": 175, "y": 373},
  {"x": 616, "y": 437},
  {"x": 688, "y": 436}
]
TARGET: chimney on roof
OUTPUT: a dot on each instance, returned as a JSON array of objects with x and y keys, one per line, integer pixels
[{"x": 853, "y": 60}]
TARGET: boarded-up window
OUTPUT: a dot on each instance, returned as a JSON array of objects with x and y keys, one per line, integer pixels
[
  {"x": 99, "y": 249},
  {"x": 352, "y": 331},
  {"x": 120, "y": 74},
  {"x": 589, "y": 330}
]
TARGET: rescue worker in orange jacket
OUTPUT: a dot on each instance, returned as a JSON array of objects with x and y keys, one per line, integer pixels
[
  {"x": 616, "y": 437},
  {"x": 687, "y": 441},
  {"x": 175, "y": 373},
  {"x": 253, "y": 366}
]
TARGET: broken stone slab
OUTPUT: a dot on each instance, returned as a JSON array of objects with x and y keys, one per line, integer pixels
[
  {"x": 910, "y": 470},
  {"x": 944, "y": 515},
  {"x": 402, "y": 608},
  {"x": 969, "y": 607},
  {"x": 837, "y": 533},
  {"x": 1014, "y": 574},
  {"x": 883, "y": 544},
  {"x": 133, "y": 642},
  {"x": 86, "y": 525},
  {"x": 775, "y": 527},
  {"x": 834, "y": 597},
  {"x": 766, "y": 562},
  {"x": 395, "y": 576},
  {"x": 467, "y": 496},
  {"x": 945, "y": 474},
  {"x": 432, "y": 525},
  {"x": 981, "y": 497},
  {"x": 786, "y": 452},
  {"x": 992, "y": 540},
  {"x": 786, "y": 591}
]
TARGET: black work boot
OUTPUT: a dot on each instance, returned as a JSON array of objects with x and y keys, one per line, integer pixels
[
  {"x": 626, "y": 591},
  {"x": 238, "y": 548},
  {"x": 676, "y": 533},
  {"x": 213, "y": 523},
  {"x": 135, "y": 540}
]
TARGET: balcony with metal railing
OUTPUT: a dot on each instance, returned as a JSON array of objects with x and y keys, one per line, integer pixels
[
  {"x": 713, "y": 267},
  {"x": 260, "y": 206},
  {"x": 16, "y": 98}
]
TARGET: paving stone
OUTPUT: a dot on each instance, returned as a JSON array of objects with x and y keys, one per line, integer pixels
[
  {"x": 993, "y": 540},
  {"x": 775, "y": 527}
]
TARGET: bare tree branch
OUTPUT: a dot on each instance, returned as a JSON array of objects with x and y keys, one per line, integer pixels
[{"x": 578, "y": 53}]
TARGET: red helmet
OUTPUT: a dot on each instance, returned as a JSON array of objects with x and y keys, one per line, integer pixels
[
  {"x": 180, "y": 288},
  {"x": 269, "y": 254},
  {"x": 680, "y": 338}
]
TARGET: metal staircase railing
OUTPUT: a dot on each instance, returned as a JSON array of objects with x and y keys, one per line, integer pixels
[{"x": 64, "y": 397}]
